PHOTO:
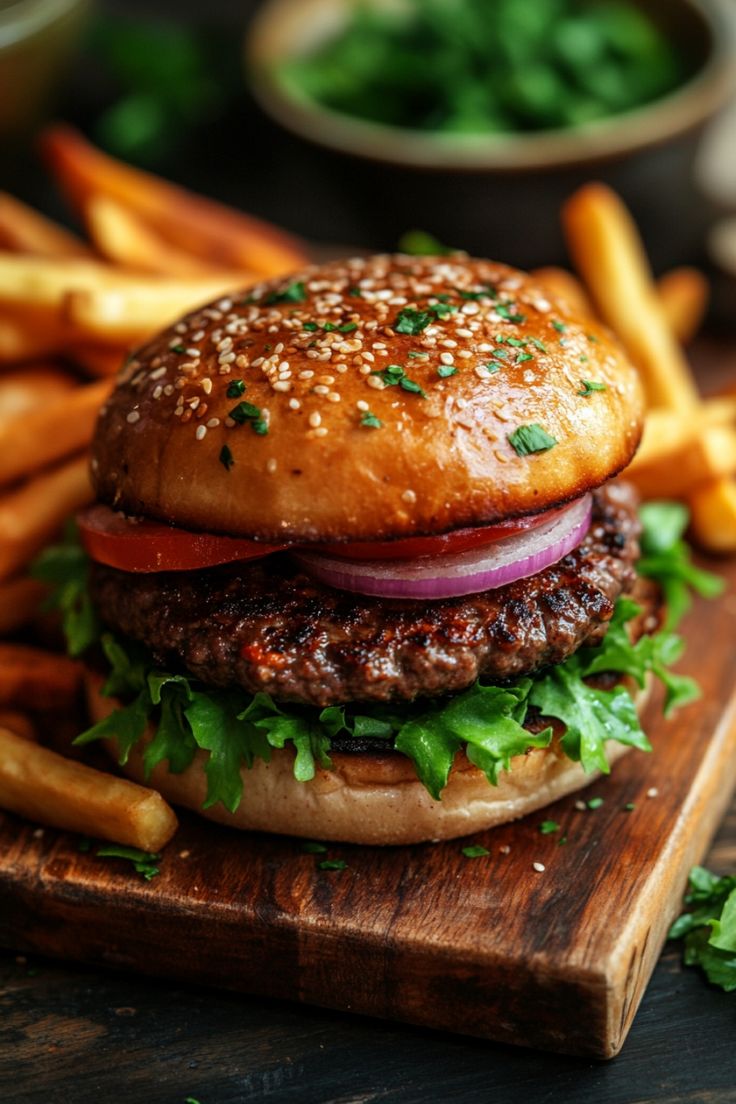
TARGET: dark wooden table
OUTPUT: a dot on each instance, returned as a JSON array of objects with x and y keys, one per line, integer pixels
[{"x": 75, "y": 1036}]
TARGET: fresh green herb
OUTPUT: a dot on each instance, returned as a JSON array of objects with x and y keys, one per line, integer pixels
[
  {"x": 667, "y": 558},
  {"x": 442, "y": 310},
  {"x": 65, "y": 568},
  {"x": 348, "y": 327},
  {"x": 410, "y": 321},
  {"x": 527, "y": 439},
  {"x": 418, "y": 243},
  {"x": 592, "y": 338},
  {"x": 493, "y": 366},
  {"x": 370, "y": 421},
  {"x": 709, "y": 928},
  {"x": 517, "y": 342},
  {"x": 584, "y": 360},
  {"x": 587, "y": 387},
  {"x": 311, "y": 847},
  {"x": 235, "y": 389},
  {"x": 486, "y": 292},
  {"x": 559, "y": 326},
  {"x": 355, "y": 292},
  {"x": 293, "y": 293},
  {"x": 475, "y": 851},
  {"x": 393, "y": 375},
  {"x": 143, "y": 861},
  {"x": 246, "y": 413},
  {"x": 548, "y": 827},
  {"x": 226, "y": 457},
  {"x": 594, "y": 802},
  {"x": 562, "y": 841},
  {"x": 191, "y": 1100},
  {"x": 332, "y": 864},
  {"x": 446, "y": 370},
  {"x": 178, "y": 348},
  {"x": 509, "y": 312},
  {"x": 538, "y": 344},
  {"x": 521, "y": 358},
  {"x": 310, "y": 326},
  {"x": 629, "y": 807},
  {"x": 417, "y": 354}
]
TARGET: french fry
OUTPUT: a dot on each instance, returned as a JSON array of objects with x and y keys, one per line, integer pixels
[
  {"x": 39, "y": 285},
  {"x": 23, "y": 230},
  {"x": 130, "y": 314},
  {"x": 713, "y": 515},
  {"x": 220, "y": 235},
  {"x": 684, "y": 293},
  {"x": 100, "y": 361},
  {"x": 31, "y": 678},
  {"x": 563, "y": 285},
  {"x": 42, "y": 786},
  {"x": 710, "y": 455},
  {"x": 668, "y": 432},
  {"x": 51, "y": 432},
  {"x": 20, "y": 389},
  {"x": 605, "y": 245},
  {"x": 123, "y": 238},
  {"x": 30, "y": 516},
  {"x": 25, "y": 337},
  {"x": 20, "y": 601},
  {"x": 20, "y": 724}
]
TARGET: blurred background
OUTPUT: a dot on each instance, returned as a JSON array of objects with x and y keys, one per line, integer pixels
[{"x": 354, "y": 123}]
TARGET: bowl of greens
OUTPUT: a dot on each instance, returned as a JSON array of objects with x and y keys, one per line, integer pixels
[{"x": 489, "y": 89}]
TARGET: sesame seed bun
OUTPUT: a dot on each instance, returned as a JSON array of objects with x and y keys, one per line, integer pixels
[
  {"x": 323, "y": 448},
  {"x": 369, "y": 798}
]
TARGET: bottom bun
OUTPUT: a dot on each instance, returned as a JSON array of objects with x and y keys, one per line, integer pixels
[{"x": 367, "y": 798}]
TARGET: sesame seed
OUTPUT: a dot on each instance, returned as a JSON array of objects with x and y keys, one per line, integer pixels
[
  {"x": 133, "y": 417},
  {"x": 409, "y": 496},
  {"x": 306, "y": 374},
  {"x": 258, "y": 362},
  {"x": 159, "y": 373},
  {"x": 180, "y": 328},
  {"x": 169, "y": 389},
  {"x": 271, "y": 465},
  {"x": 365, "y": 369},
  {"x": 580, "y": 806},
  {"x": 362, "y": 405},
  {"x": 294, "y": 404},
  {"x": 505, "y": 849},
  {"x": 481, "y": 371},
  {"x": 158, "y": 392},
  {"x": 201, "y": 432},
  {"x": 320, "y": 432},
  {"x": 193, "y": 353},
  {"x": 281, "y": 385},
  {"x": 315, "y": 419},
  {"x": 539, "y": 867},
  {"x": 464, "y": 333},
  {"x": 375, "y": 382},
  {"x": 226, "y": 358},
  {"x": 213, "y": 422},
  {"x": 333, "y": 397},
  {"x": 652, "y": 791},
  {"x": 448, "y": 343},
  {"x": 229, "y": 422},
  {"x": 207, "y": 386},
  {"x": 447, "y": 358}
]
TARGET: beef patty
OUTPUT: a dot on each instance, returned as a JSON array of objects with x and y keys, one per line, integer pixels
[{"x": 266, "y": 625}]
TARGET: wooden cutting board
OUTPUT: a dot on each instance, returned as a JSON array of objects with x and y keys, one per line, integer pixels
[{"x": 556, "y": 959}]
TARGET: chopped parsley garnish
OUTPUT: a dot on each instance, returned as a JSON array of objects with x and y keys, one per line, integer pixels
[
  {"x": 411, "y": 321},
  {"x": 521, "y": 358},
  {"x": 348, "y": 327},
  {"x": 517, "y": 342},
  {"x": 355, "y": 292},
  {"x": 443, "y": 310},
  {"x": 587, "y": 387},
  {"x": 493, "y": 366},
  {"x": 549, "y": 827},
  {"x": 486, "y": 292},
  {"x": 709, "y": 928},
  {"x": 235, "y": 389},
  {"x": 294, "y": 293},
  {"x": 226, "y": 457},
  {"x": 312, "y": 847},
  {"x": 310, "y": 326},
  {"x": 446, "y": 370},
  {"x": 530, "y": 438},
  {"x": 583, "y": 358},
  {"x": 394, "y": 375},
  {"x": 177, "y": 348},
  {"x": 559, "y": 326},
  {"x": 538, "y": 344},
  {"x": 629, "y": 807},
  {"x": 593, "y": 338},
  {"x": 247, "y": 413},
  {"x": 475, "y": 851},
  {"x": 417, "y": 354},
  {"x": 418, "y": 243},
  {"x": 144, "y": 862},
  {"x": 370, "y": 420},
  {"x": 332, "y": 864},
  {"x": 594, "y": 802},
  {"x": 509, "y": 313}
]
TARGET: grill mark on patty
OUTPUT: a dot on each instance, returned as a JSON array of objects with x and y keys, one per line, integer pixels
[{"x": 267, "y": 626}]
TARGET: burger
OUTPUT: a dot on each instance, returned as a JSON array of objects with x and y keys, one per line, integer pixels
[{"x": 358, "y": 566}]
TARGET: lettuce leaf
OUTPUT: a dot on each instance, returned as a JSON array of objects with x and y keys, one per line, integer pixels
[
  {"x": 709, "y": 928},
  {"x": 234, "y": 729}
]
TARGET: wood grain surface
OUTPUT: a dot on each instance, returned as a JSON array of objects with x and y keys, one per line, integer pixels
[{"x": 557, "y": 959}]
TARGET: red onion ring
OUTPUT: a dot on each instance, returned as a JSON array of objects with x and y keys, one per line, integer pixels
[{"x": 470, "y": 572}]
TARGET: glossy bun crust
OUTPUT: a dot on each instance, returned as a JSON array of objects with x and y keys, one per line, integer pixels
[{"x": 306, "y": 459}]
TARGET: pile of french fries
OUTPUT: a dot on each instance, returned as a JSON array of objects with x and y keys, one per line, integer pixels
[
  {"x": 71, "y": 309},
  {"x": 688, "y": 450}
]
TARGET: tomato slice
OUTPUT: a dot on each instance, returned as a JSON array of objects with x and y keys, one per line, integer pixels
[
  {"x": 146, "y": 546},
  {"x": 140, "y": 545},
  {"x": 411, "y": 548}
]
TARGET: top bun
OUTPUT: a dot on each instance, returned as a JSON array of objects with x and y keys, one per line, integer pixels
[{"x": 381, "y": 398}]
